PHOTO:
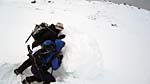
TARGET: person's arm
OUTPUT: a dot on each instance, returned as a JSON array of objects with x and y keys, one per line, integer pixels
[{"x": 61, "y": 36}]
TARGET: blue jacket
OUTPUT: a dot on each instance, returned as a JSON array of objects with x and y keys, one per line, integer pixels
[{"x": 51, "y": 59}]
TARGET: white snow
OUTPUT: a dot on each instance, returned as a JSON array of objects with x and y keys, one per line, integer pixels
[{"x": 106, "y": 43}]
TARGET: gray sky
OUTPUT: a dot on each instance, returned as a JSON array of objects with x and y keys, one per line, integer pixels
[{"x": 138, "y": 3}]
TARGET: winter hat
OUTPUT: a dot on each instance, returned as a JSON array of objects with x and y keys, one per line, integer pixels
[{"x": 59, "y": 26}]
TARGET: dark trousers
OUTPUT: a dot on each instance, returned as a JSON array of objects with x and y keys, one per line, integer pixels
[
  {"x": 24, "y": 66},
  {"x": 44, "y": 75},
  {"x": 38, "y": 75},
  {"x": 32, "y": 79}
]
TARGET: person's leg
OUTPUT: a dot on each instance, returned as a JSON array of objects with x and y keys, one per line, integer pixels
[
  {"x": 46, "y": 82},
  {"x": 47, "y": 78},
  {"x": 43, "y": 75},
  {"x": 31, "y": 79},
  {"x": 21, "y": 68}
]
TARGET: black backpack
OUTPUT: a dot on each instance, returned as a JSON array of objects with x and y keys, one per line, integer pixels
[
  {"x": 39, "y": 30},
  {"x": 43, "y": 32}
]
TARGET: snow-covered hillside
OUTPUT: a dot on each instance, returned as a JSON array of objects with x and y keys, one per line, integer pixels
[{"x": 106, "y": 43}]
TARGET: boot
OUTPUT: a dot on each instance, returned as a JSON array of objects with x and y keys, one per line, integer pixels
[
  {"x": 16, "y": 71},
  {"x": 31, "y": 79},
  {"x": 46, "y": 82},
  {"x": 25, "y": 82}
]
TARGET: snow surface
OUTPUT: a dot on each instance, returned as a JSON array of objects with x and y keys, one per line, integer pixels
[{"x": 106, "y": 43}]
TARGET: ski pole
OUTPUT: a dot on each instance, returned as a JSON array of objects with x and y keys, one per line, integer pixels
[{"x": 28, "y": 37}]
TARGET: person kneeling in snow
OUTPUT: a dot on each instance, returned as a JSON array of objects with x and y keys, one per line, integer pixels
[
  {"x": 46, "y": 57},
  {"x": 41, "y": 33}
]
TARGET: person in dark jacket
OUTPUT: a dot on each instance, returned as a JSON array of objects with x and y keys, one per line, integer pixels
[
  {"x": 51, "y": 32},
  {"x": 45, "y": 58}
]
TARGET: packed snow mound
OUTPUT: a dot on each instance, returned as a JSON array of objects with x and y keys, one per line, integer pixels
[
  {"x": 7, "y": 76},
  {"x": 106, "y": 43}
]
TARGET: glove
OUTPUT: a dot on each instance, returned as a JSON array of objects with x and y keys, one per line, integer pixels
[{"x": 61, "y": 36}]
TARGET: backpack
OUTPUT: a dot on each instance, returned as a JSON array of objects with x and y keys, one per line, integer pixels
[
  {"x": 38, "y": 30},
  {"x": 53, "y": 58},
  {"x": 43, "y": 32}
]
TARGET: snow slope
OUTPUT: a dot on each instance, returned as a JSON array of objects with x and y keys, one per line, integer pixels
[{"x": 106, "y": 43}]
